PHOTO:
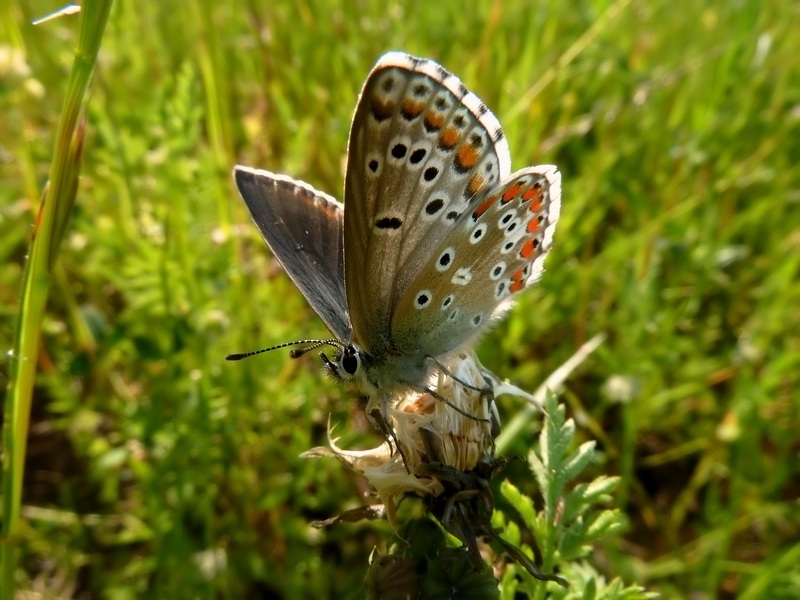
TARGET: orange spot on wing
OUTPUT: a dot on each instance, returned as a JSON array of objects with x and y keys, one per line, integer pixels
[
  {"x": 467, "y": 156},
  {"x": 382, "y": 110},
  {"x": 475, "y": 185},
  {"x": 533, "y": 225},
  {"x": 412, "y": 109},
  {"x": 434, "y": 120},
  {"x": 534, "y": 195},
  {"x": 527, "y": 249},
  {"x": 449, "y": 138},
  {"x": 484, "y": 206},
  {"x": 512, "y": 192},
  {"x": 517, "y": 282},
  {"x": 531, "y": 192}
]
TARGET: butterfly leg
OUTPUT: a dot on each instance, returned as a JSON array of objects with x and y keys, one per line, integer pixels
[
  {"x": 438, "y": 396},
  {"x": 487, "y": 394},
  {"x": 380, "y": 419},
  {"x": 489, "y": 382}
]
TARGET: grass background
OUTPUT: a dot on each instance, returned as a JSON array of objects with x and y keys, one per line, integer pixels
[{"x": 154, "y": 465}]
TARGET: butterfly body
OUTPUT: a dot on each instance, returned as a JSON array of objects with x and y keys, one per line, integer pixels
[{"x": 435, "y": 238}]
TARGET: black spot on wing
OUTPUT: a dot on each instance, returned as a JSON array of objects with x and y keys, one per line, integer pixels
[
  {"x": 417, "y": 155},
  {"x": 430, "y": 174},
  {"x": 399, "y": 150},
  {"x": 434, "y": 206},
  {"x": 389, "y": 223}
]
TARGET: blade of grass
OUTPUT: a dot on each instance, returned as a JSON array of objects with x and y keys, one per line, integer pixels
[
  {"x": 521, "y": 420},
  {"x": 51, "y": 224},
  {"x": 571, "y": 54}
]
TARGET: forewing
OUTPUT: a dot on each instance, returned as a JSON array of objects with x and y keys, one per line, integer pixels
[
  {"x": 497, "y": 248},
  {"x": 421, "y": 148},
  {"x": 303, "y": 228}
]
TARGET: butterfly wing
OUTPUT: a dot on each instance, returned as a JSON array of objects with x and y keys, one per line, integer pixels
[
  {"x": 422, "y": 147},
  {"x": 303, "y": 228},
  {"x": 497, "y": 248}
]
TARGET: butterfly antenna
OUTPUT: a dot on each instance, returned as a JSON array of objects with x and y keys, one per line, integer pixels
[
  {"x": 317, "y": 344},
  {"x": 294, "y": 353}
]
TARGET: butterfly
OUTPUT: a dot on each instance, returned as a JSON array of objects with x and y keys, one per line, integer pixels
[{"x": 434, "y": 241}]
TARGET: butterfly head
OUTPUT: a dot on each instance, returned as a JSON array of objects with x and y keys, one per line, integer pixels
[
  {"x": 347, "y": 363},
  {"x": 373, "y": 374}
]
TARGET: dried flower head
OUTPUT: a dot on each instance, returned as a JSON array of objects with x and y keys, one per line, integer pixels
[
  {"x": 451, "y": 425},
  {"x": 445, "y": 436}
]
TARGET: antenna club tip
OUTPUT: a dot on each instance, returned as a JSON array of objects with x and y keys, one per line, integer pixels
[{"x": 235, "y": 356}]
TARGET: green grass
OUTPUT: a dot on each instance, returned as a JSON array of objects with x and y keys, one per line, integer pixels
[{"x": 155, "y": 465}]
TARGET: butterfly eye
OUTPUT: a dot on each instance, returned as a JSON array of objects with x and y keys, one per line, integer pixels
[{"x": 351, "y": 361}]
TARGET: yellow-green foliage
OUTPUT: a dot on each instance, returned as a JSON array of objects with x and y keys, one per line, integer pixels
[{"x": 154, "y": 465}]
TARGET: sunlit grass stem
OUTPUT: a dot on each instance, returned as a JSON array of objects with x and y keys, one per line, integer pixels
[{"x": 49, "y": 229}]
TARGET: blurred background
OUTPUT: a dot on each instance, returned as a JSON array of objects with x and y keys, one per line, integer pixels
[{"x": 155, "y": 466}]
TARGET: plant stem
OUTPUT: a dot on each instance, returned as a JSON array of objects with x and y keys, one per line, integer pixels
[{"x": 49, "y": 229}]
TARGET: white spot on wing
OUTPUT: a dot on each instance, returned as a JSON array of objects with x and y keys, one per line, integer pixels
[
  {"x": 497, "y": 270},
  {"x": 462, "y": 277},
  {"x": 476, "y": 235},
  {"x": 449, "y": 254},
  {"x": 423, "y": 299},
  {"x": 448, "y": 301}
]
